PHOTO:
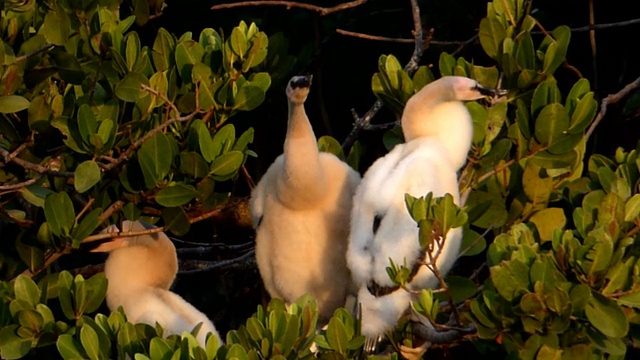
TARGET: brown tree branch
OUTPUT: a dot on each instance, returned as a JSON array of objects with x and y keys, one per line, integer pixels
[
  {"x": 611, "y": 99},
  {"x": 42, "y": 170},
  {"x": 20, "y": 185},
  {"x": 293, "y": 4},
  {"x": 151, "y": 133}
]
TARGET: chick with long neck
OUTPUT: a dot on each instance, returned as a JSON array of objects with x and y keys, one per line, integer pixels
[
  {"x": 438, "y": 130},
  {"x": 140, "y": 270},
  {"x": 300, "y": 209}
]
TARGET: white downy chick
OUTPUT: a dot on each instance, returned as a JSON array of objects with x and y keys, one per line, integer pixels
[
  {"x": 140, "y": 270},
  {"x": 438, "y": 131},
  {"x": 300, "y": 210}
]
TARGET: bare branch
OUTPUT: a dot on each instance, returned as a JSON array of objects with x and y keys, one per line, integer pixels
[
  {"x": 42, "y": 170},
  {"x": 34, "y": 52},
  {"x": 20, "y": 185},
  {"x": 292, "y": 4},
  {"x": 374, "y": 37},
  {"x": 151, "y": 133},
  {"x": 411, "y": 67},
  {"x": 612, "y": 99},
  {"x": 246, "y": 261}
]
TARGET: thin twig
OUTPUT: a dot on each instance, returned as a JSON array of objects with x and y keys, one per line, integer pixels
[
  {"x": 592, "y": 39},
  {"x": 151, "y": 133},
  {"x": 42, "y": 170},
  {"x": 411, "y": 67},
  {"x": 292, "y": 4},
  {"x": 611, "y": 99},
  {"x": 245, "y": 261},
  {"x": 86, "y": 208},
  {"x": 20, "y": 185},
  {"x": 395, "y": 40},
  {"x": 110, "y": 210},
  {"x": 34, "y": 52},
  {"x": 212, "y": 248}
]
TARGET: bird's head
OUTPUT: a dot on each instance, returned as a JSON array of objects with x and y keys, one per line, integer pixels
[
  {"x": 465, "y": 89},
  {"x": 298, "y": 88}
]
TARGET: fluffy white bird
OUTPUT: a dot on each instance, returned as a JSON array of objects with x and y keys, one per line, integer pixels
[
  {"x": 140, "y": 270},
  {"x": 300, "y": 210},
  {"x": 438, "y": 131}
]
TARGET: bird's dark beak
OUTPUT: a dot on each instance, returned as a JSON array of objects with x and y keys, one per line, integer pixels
[
  {"x": 490, "y": 91},
  {"x": 301, "y": 81}
]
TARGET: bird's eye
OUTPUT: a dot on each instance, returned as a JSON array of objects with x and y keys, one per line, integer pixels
[{"x": 376, "y": 223}]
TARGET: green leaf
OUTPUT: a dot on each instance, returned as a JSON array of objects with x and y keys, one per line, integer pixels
[
  {"x": 510, "y": 278},
  {"x": 551, "y": 123},
  {"x": 159, "y": 83},
  {"x": 223, "y": 140},
  {"x": 548, "y": 160},
  {"x": 175, "y": 220},
  {"x": 163, "y": 47},
  {"x": 90, "y": 342},
  {"x": 130, "y": 87},
  {"x": 619, "y": 276},
  {"x": 606, "y": 316},
  {"x": 27, "y": 290},
  {"x": 337, "y": 336},
  {"x": 248, "y": 97},
  {"x": 35, "y": 194},
  {"x": 632, "y": 208},
  {"x": 87, "y": 122},
  {"x": 160, "y": 349},
  {"x": 87, "y": 226},
  {"x": 472, "y": 243},
  {"x": 11, "y": 345},
  {"x": 59, "y": 213},
  {"x": 188, "y": 53},
  {"x": 557, "y": 49},
  {"x": 176, "y": 195},
  {"x": 68, "y": 66},
  {"x": 155, "y": 157},
  {"x": 12, "y": 104},
  {"x": 238, "y": 42},
  {"x": 461, "y": 288},
  {"x": 69, "y": 348},
  {"x": 56, "y": 27},
  {"x": 192, "y": 163},
  {"x": 330, "y": 145},
  {"x": 87, "y": 174},
  {"x": 39, "y": 114},
  {"x": 547, "y": 220},
  {"x": 492, "y": 33},
  {"x": 226, "y": 164},
  {"x": 584, "y": 113}
]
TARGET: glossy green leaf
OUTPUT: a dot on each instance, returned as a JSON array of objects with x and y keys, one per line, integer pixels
[
  {"x": 68, "y": 67},
  {"x": 584, "y": 113},
  {"x": 632, "y": 208},
  {"x": 330, "y": 145},
  {"x": 12, "y": 104},
  {"x": 223, "y": 140},
  {"x": 90, "y": 342},
  {"x": 163, "y": 48},
  {"x": 87, "y": 226},
  {"x": 130, "y": 87},
  {"x": 59, "y": 212},
  {"x": 87, "y": 174},
  {"x": 226, "y": 164},
  {"x": 176, "y": 195},
  {"x": 175, "y": 220},
  {"x": 27, "y": 290},
  {"x": 547, "y": 220},
  {"x": 155, "y": 157},
  {"x": 551, "y": 123},
  {"x": 39, "y": 114},
  {"x": 192, "y": 163},
  {"x": 11, "y": 345},
  {"x": 69, "y": 348},
  {"x": 606, "y": 316},
  {"x": 56, "y": 27},
  {"x": 492, "y": 33},
  {"x": 248, "y": 98}
]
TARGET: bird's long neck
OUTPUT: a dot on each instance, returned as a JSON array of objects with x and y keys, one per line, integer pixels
[
  {"x": 303, "y": 175},
  {"x": 447, "y": 121}
]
